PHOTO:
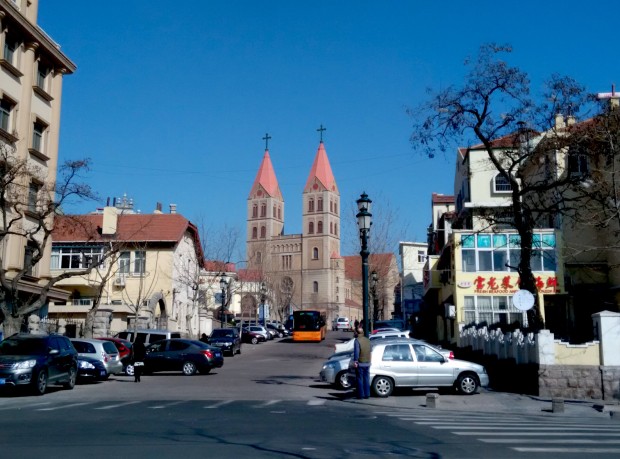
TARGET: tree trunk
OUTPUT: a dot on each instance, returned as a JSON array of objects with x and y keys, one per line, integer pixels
[{"x": 12, "y": 325}]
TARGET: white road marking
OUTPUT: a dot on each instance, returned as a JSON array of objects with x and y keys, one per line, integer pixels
[
  {"x": 109, "y": 407},
  {"x": 570, "y": 450},
  {"x": 217, "y": 405},
  {"x": 166, "y": 405},
  {"x": 266, "y": 404},
  {"x": 533, "y": 428},
  {"x": 537, "y": 434},
  {"x": 316, "y": 402},
  {"x": 60, "y": 407},
  {"x": 18, "y": 407},
  {"x": 552, "y": 441}
]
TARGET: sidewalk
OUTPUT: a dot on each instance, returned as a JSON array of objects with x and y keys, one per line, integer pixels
[{"x": 486, "y": 401}]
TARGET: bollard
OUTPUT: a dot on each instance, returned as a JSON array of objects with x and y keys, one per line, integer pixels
[
  {"x": 557, "y": 405},
  {"x": 432, "y": 400}
]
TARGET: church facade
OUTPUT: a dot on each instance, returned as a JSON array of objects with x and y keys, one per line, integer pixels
[{"x": 300, "y": 271}]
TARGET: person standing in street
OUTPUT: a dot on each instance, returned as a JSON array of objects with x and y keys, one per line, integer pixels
[
  {"x": 361, "y": 361},
  {"x": 139, "y": 352}
]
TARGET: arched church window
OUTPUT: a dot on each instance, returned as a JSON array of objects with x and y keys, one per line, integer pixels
[
  {"x": 335, "y": 207},
  {"x": 263, "y": 210},
  {"x": 263, "y": 232},
  {"x": 315, "y": 253},
  {"x": 319, "y": 227},
  {"x": 254, "y": 233},
  {"x": 259, "y": 258},
  {"x": 336, "y": 229},
  {"x": 315, "y": 287},
  {"x": 274, "y": 211},
  {"x": 279, "y": 213},
  {"x": 311, "y": 205},
  {"x": 331, "y": 227},
  {"x": 331, "y": 206},
  {"x": 311, "y": 228},
  {"x": 254, "y": 211},
  {"x": 319, "y": 205}
]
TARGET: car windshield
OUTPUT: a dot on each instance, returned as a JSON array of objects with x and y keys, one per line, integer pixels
[
  {"x": 22, "y": 346},
  {"x": 221, "y": 334}
]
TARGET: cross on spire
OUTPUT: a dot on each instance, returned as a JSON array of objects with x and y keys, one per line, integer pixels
[
  {"x": 320, "y": 130},
  {"x": 266, "y": 139}
]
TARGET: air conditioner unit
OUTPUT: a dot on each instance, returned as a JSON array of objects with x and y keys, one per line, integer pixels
[{"x": 119, "y": 281}]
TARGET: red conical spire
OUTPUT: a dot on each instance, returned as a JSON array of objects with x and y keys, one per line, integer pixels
[
  {"x": 266, "y": 179},
  {"x": 321, "y": 172}
]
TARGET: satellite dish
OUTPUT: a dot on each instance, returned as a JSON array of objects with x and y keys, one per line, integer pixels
[{"x": 523, "y": 300}]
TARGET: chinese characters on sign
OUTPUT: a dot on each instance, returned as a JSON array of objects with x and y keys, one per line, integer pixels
[{"x": 510, "y": 284}]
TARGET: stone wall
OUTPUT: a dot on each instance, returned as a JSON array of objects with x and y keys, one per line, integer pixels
[{"x": 570, "y": 381}]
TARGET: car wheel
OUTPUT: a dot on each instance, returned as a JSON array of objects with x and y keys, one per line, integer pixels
[
  {"x": 382, "y": 386},
  {"x": 239, "y": 350},
  {"x": 40, "y": 384},
  {"x": 189, "y": 368},
  {"x": 129, "y": 370},
  {"x": 72, "y": 377},
  {"x": 342, "y": 381},
  {"x": 232, "y": 352},
  {"x": 254, "y": 340},
  {"x": 467, "y": 384}
]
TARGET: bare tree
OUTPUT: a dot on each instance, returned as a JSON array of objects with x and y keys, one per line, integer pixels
[
  {"x": 493, "y": 107},
  {"x": 28, "y": 204}
]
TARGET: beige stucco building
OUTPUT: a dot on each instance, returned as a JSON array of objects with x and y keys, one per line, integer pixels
[
  {"x": 32, "y": 69},
  {"x": 152, "y": 278}
]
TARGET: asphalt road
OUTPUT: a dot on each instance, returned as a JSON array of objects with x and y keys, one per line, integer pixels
[{"x": 267, "y": 403}]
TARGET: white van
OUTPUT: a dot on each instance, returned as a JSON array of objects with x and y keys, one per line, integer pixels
[{"x": 148, "y": 336}]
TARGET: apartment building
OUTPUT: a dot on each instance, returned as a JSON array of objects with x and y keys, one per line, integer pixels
[{"x": 32, "y": 68}]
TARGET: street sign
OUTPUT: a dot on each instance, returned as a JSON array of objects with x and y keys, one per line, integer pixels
[{"x": 523, "y": 300}]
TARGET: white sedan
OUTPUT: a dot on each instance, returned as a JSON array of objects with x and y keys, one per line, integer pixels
[{"x": 347, "y": 346}]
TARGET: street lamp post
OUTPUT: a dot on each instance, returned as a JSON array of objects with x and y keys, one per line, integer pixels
[
  {"x": 364, "y": 221},
  {"x": 263, "y": 296},
  {"x": 375, "y": 300},
  {"x": 223, "y": 286}
]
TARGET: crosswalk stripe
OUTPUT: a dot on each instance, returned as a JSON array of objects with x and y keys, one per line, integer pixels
[
  {"x": 527, "y": 428},
  {"x": 266, "y": 404},
  {"x": 156, "y": 407},
  {"x": 570, "y": 450},
  {"x": 22, "y": 407},
  {"x": 538, "y": 434},
  {"x": 109, "y": 407},
  {"x": 316, "y": 402},
  {"x": 60, "y": 407},
  {"x": 564, "y": 441},
  {"x": 217, "y": 405}
]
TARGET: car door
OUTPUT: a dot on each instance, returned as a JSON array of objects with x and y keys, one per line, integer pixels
[
  {"x": 176, "y": 354},
  {"x": 397, "y": 361},
  {"x": 433, "y": 370},
  {"x": 155, "y": 358}
]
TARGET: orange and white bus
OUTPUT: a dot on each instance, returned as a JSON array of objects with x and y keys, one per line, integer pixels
[{"x": 308, "y": 326}]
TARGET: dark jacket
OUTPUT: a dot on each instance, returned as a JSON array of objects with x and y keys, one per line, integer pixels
[{"x": 139, "y": 352}]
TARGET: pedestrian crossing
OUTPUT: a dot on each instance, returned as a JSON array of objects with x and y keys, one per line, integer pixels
[
  {"x": 155, "y": 405},
  {"x": 528, "y": 434}
]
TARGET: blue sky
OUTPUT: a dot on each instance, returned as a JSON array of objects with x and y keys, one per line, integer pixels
[{"x": 171, "y": 99}]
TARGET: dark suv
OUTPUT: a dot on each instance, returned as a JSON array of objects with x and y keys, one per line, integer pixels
[
  {"x": 227, "y": 339},
  {"x": 37, "y": 360}
]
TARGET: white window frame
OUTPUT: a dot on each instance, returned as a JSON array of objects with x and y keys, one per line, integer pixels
[{"x": 501, "y": 184}]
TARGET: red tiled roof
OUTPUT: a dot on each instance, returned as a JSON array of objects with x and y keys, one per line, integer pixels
[
  {"x": 219, "y": 266},
  {"x": 130, "y": 228},
  {"x": 438, "y": 198},
  {"x": 351, "y": 303}
]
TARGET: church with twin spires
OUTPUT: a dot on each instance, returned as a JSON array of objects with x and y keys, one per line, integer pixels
[{"x": 302, "y": 271}]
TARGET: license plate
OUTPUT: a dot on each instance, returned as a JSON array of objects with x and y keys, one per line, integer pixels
[
  {"x": 217, "y": 354},
  {"x": 103, "y": 372},
  {"x": 2, "y": 381}
]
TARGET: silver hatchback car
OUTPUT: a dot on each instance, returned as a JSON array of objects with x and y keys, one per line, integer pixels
[
  {"x": 105, "y": 351},
  {"x": 405, "y": 363}
]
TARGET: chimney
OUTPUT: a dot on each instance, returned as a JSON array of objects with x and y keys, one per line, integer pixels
[
  {"x": 158, "y": 208},
  {"x": 110, "y": 221},
  {"x": 559, "y": 121},
  {"x": 173, "y": 208}
]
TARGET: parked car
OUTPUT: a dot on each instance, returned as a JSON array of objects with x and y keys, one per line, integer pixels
[
  {"x": 90, "y": 369},
  {"x": 335, "y": 370},
  {"x": 147, "y": 336},
  {"x": 186, "y": 355},
  {"x": 274, "y": 330},
  {"x": 124, "y": 351},
  {"x": 227, "y": 339},
  {"x": 347, "y": 346},
  {"x": 260, "y": 329},
  {"x": 341, "y": 323},
  {"x": 410, "y": 363},
  {"x": 35, "y": 361},
  {"x": 253, "y": 337},
  {"x": 102, "y": 350}
]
